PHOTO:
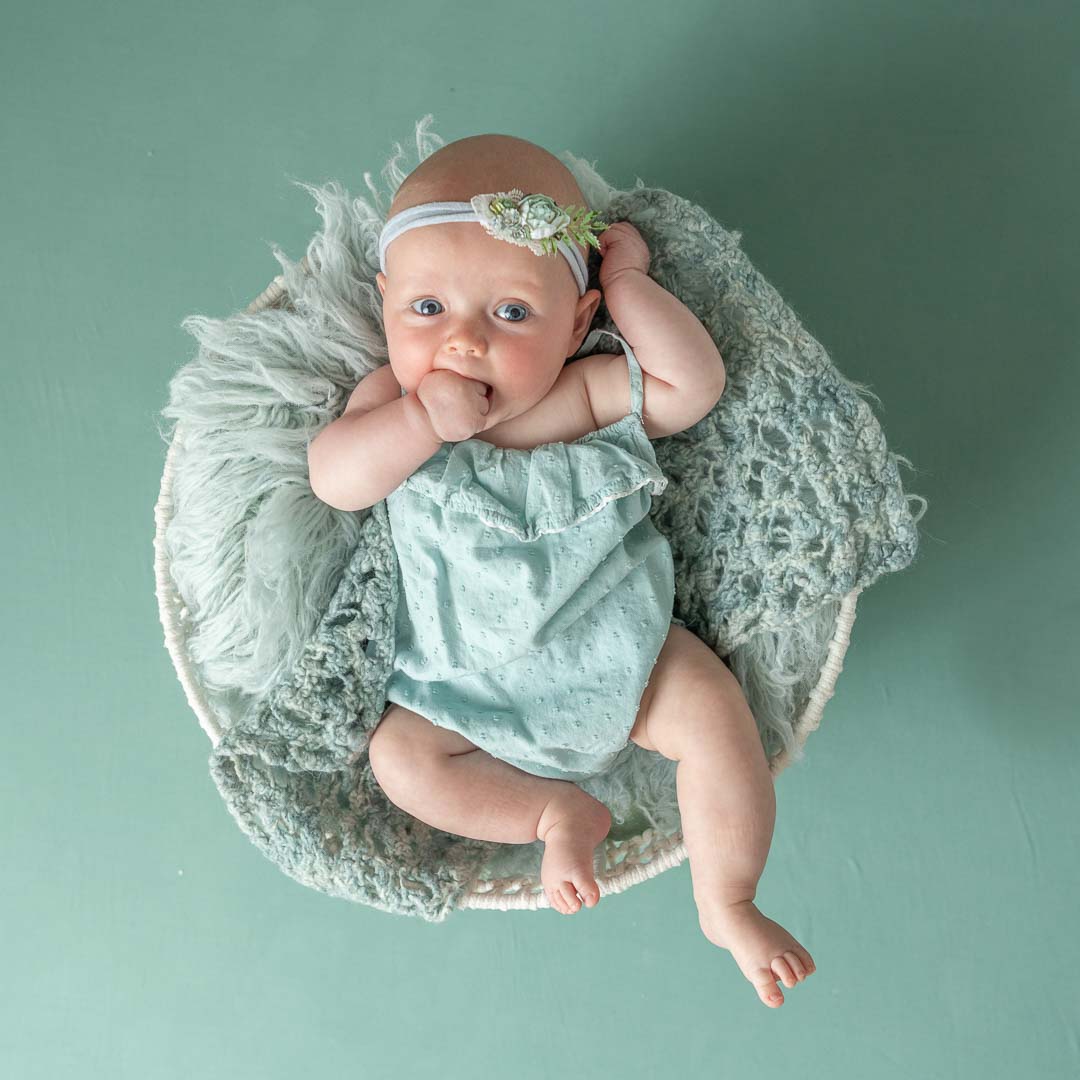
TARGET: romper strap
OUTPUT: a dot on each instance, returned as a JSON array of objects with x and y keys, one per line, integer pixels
[{"x": 632, "y": 365}]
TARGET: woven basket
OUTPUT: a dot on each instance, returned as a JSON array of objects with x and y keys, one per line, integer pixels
[{"x": 622, "y": 862}]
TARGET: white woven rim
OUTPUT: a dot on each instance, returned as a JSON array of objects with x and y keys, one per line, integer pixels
[{"x": 623, "y": 863}]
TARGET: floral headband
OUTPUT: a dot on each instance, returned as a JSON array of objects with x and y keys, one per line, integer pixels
[{"x": 533, "y": 221}]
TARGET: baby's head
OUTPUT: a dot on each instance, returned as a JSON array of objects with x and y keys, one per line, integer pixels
[{"x": 456, "y": 297}]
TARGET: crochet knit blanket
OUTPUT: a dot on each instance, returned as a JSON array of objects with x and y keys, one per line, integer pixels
[{"x": 780, "y": 502}]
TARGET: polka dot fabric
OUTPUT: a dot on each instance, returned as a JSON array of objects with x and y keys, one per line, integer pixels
[{"x": 535, "y": 593}]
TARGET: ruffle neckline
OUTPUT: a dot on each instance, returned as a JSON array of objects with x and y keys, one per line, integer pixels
[{"x": 545, "y": 489}]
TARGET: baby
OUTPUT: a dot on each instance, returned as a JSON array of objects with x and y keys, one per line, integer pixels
[{"x": 534, "y": 624}]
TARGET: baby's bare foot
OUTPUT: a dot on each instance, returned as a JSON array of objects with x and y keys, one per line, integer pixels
[
  {"x": 763, "y": 949},
  {"x": 570, "y": 831}
]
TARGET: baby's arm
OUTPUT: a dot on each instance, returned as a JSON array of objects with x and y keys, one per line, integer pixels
[
  {"x": 668, "y": 339},
  {"x": 379, "y": 441}
]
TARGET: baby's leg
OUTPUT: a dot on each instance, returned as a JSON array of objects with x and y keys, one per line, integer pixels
[
  {"x": 695, "y": 713},
  {"x": 441, "y": 778}
]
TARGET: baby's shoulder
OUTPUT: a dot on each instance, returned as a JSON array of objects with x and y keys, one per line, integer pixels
[
  {"x": 606, "y": 381},
  {"x": 376, "y": 388},
  {"x": 665, "y": 409}
]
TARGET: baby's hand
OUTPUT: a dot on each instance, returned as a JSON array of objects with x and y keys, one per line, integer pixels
[
  {"x": 622, "y": 247},
  {"x": 456, "y": 406}
]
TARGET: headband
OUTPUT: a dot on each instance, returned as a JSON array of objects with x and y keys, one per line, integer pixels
[{"x": 532, "y": 221}]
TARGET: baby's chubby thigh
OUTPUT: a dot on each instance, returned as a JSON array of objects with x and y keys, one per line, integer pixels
[
  {"x": 404, "y": 743},
  {"x": 690, "y": 692}
]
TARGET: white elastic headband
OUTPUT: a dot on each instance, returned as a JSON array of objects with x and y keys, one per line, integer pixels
[{"x": 532, "y": 221}]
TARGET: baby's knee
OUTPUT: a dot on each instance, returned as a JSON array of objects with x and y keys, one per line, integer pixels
[
  {"x": 405, "y": 746},
  {"x": 388, "y": 746}
]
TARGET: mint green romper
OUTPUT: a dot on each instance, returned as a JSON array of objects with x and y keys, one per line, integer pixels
[{"x": 535, "y": 593}]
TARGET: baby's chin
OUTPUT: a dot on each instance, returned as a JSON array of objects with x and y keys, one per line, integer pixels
[
  {"x": 504, "y": 408},
  {"x": 498, "y": 403}
]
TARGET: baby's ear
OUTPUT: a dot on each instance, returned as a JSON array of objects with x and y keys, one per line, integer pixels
[
  {"x": 380, "y": 280},
  {"x": 586, "y": 310}
]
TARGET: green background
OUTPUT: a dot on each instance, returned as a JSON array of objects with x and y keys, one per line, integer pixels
[{"x": 906, "y": 176}]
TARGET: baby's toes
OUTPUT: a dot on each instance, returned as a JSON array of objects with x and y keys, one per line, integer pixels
[
  {"x": 798, "y": 968},
  {"x": 556, "y": 900},
  {"x": 768, "y": 991},
  {"x": 570, "y": 896},
  {"x": 590, "y": 894},
  {"x": 783, "y": 971}
]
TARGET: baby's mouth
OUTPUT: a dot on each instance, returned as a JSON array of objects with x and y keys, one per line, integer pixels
[{"x": 490, "y": 393}]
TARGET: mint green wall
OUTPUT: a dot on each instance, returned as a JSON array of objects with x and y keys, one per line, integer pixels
[{"x": 906, "y": 176}]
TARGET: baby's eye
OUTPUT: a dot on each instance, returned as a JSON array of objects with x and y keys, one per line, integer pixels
[
  {"x": 520, "y": 307},
  {"x": 425, "y": 300},
  {"x": 509, "y": 304}
]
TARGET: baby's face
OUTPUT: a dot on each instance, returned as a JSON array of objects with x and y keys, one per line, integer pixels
[{"x": 456, "y": 297}]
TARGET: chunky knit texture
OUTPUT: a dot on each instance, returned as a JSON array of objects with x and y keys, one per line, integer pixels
[{"x": 781, "y": 502}]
